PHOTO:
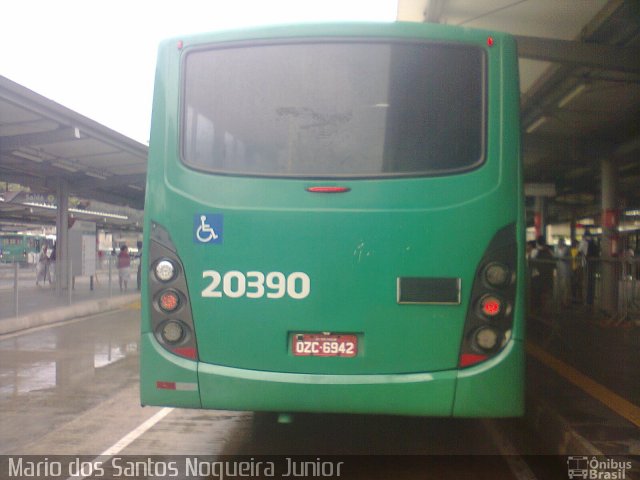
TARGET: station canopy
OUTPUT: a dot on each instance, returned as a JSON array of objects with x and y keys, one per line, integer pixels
[{"x": 42, "y": 142}]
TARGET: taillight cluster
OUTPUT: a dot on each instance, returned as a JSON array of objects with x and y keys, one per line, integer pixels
[
  {"x": 490, "y": 315},
  {"x": 171, "y": 318}
]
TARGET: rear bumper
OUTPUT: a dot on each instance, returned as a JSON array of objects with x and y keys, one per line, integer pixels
[{"x": 492, "y": 389}]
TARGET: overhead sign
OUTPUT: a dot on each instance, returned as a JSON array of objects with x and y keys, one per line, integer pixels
[{"x": 539, "y": 189}]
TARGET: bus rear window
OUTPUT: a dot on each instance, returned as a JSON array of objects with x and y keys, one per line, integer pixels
[{"x": 342, "y": 109}]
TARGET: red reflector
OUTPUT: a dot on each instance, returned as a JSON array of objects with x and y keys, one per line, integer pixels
[
  {"x": 187, "y": 352},
  {"x": 468, "y": 359},
  {"x": 491, "y": 306},
  {"x": 328, "y": 189},
  {"x": 166, "y": 385},
  {"x": 490, "y": 41}
]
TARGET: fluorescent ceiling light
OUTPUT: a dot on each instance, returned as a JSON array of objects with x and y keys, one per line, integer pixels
[
  {"x": 95, "y": 175},
  {"x": 77, "y": 210},
  {"x": 27, "y": 156},
  {"x": 99, "y": 214},
  {"x": 564, "y": 101},
  {"x": 535, "y": 125},
  {"x": 64, "y": 166}
]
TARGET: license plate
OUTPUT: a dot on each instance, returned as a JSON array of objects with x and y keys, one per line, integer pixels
[{"x": 324, "y": 345}]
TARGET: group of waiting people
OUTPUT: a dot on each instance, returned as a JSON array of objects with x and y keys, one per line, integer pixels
[
  {"x": 46, "y": 265},
  {"x": 572, "y": 264}
]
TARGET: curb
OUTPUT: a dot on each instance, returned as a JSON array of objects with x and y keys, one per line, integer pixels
[
  {"x": 61, "y": 314},
  {"x": 556, "y": 430}
]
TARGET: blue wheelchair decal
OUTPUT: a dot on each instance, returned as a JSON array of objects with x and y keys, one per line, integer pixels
[{"x": 207, "y": 228}]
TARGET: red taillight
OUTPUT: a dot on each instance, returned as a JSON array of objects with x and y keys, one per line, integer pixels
[
  {"x": 468, "y": 359},
  {"x": 326, "y": 189},
  {"x": 490, "y": 306},
  {"x": 169, "y": 301},
  {"x": 490, "y": 41},
  {"x": 187, "y": 352}
]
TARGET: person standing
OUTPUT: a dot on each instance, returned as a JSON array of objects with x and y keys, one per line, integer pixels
[
  {"x": 577, "y": 267},
  {"x": 124, "y": 262},
  {"x": 42, "y": 269},
  {"x": 542, "y": 276},
  {"x": 563, "y": 271},
  {"x": 52, "y": 262},
  {"x": 589, "y": 249}
]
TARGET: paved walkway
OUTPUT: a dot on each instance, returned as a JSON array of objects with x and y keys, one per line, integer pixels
[{"x": 584, "y": 376}]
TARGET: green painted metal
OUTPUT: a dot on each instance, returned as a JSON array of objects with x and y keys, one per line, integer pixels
[
  {"x": 158, "y": 365},
  {"x": 494, "y": 388},
  {"x": 353, "y": 247}
]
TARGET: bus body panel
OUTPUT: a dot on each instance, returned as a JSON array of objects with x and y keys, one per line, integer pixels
[
  {"x": 353, "y": 247},
  {"x": 353, "y": 260},
  {"x": 493, "y": 389},
  {"x": 174, "y": 381}
]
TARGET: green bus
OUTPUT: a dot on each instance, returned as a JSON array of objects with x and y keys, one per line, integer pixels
[
  {"x": 334, "y": 222},
  {"x": 20, "y": 248}
]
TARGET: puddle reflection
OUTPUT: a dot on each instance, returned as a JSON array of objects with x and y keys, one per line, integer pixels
[
  {"x": 39, "y": 376},
  {"x": 64, "y": 356}
]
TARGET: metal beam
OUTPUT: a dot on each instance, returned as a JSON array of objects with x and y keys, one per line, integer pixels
[
  {"x": 93, "y": 184},
  {"x": 15, "y": 142},
  {"x": 605, "y": 57},
  {"x": 31, "y": 181},
  {"x": 566, "y": 147},
  {"x": 135, "y": 200}
]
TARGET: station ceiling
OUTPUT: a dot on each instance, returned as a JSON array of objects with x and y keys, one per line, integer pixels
[
  {"x": 580, "y": 89},
  {"x": 580, "y": 103}
]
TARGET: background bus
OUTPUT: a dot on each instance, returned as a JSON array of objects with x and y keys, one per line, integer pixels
[
  {"x": 334, "y": 222},
  {"x": 20, "y": 248}
]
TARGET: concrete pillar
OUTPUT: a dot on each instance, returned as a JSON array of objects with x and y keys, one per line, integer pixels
[
  {"x": 609, "y": 242},
  {"x": 62, "y": 236}
]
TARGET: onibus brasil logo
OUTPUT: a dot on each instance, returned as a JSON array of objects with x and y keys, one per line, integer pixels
[{"x": 594, "y": 468}]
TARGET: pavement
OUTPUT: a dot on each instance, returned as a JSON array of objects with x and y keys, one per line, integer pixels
[{"x": 583, "y": 380}]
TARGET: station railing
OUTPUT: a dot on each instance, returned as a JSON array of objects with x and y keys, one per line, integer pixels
[
  {"x": 560, "y": 285},
  {"x": 21, "y": 295}
]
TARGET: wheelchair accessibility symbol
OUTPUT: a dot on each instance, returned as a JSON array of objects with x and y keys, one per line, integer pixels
[{"x": 207, "y": 228}]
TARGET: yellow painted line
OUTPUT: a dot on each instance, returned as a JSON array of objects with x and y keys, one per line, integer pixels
[
  {"x": 134, "y": 305},
  {"x": 615, "y": 402}
]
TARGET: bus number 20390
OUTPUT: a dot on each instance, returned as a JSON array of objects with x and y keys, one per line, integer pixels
[{"x": 273, "y": 285}]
